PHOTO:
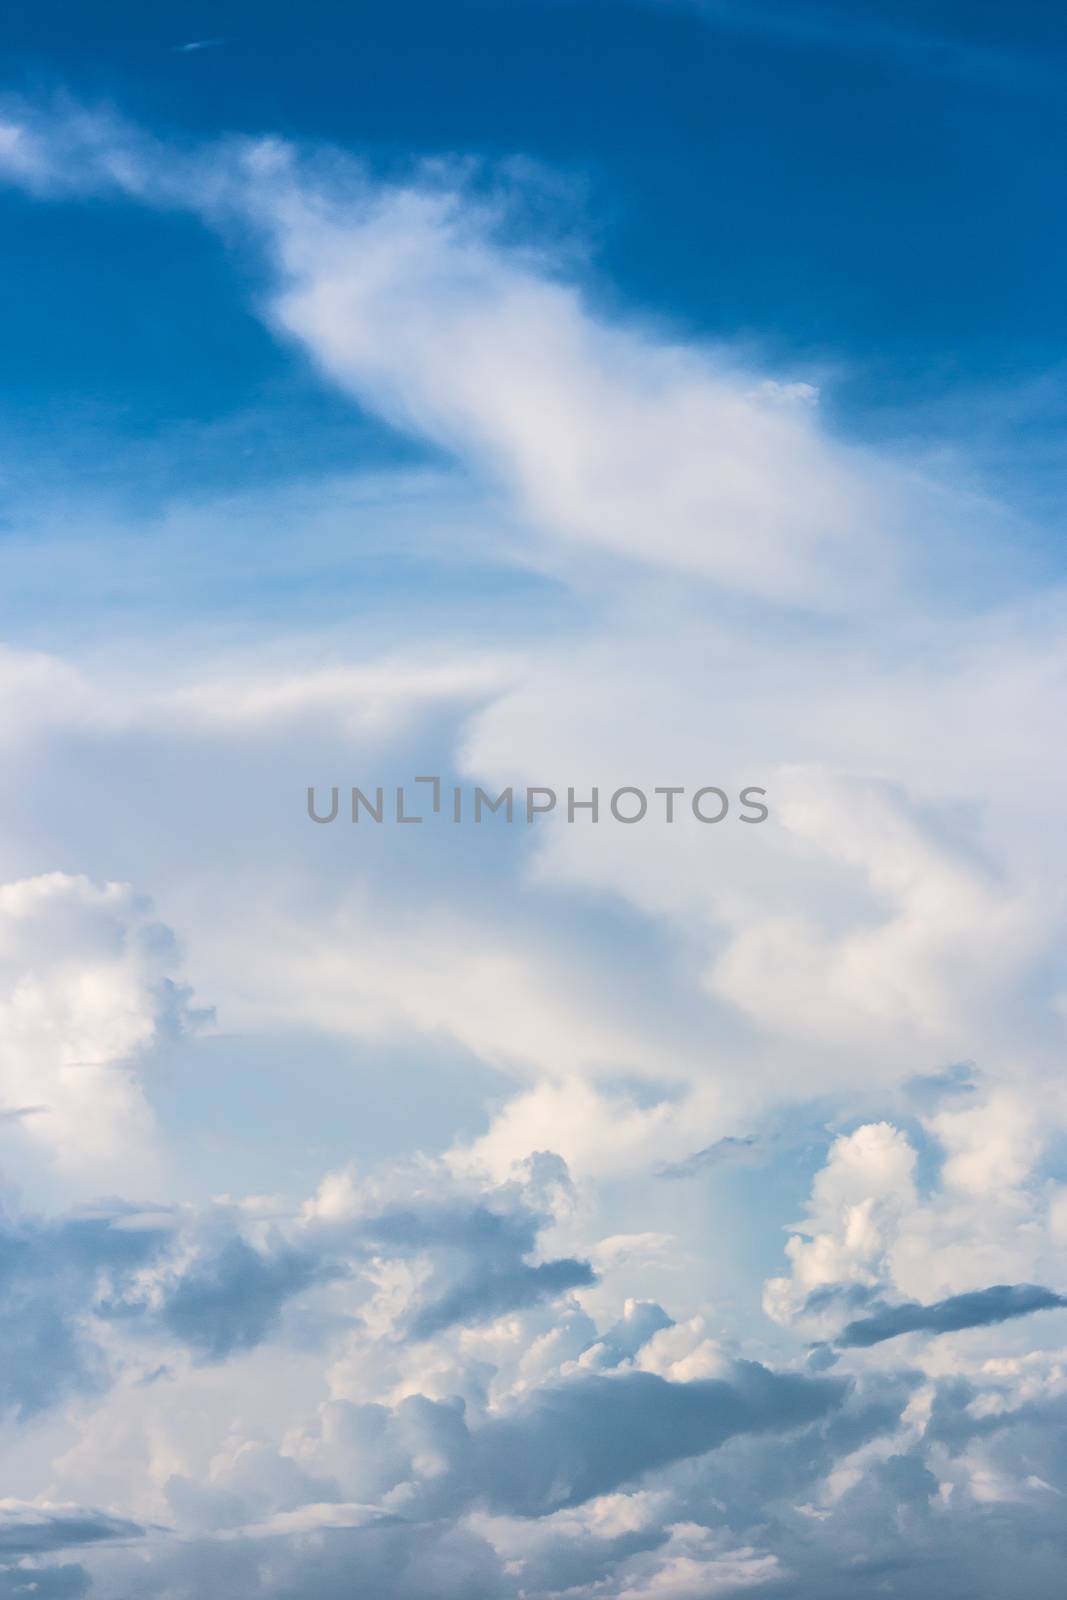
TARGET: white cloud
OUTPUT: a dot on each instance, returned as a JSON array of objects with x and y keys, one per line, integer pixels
[
  {"x": 85, "y": 991},
  {"x": 744, "y": 602}
]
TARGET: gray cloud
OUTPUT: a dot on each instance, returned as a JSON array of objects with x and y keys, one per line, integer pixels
[
  {"x": 642, "y": 1319},
  {"x": 234, "y": 1299},
  {"x": 479, "y": 1257},
  {"x": 58, "y": 1274},
  {"x": 401, "y": 1560},
  {"x": 68, "y": 1582},
  {"x": 581, "y": 1439},
  {"x": 745, "y": 1151},
  {"x": 27, "y": 1530},
  {"x": 978, "y": 1309},
  {"x": 565, "y": 1442},
  {"x": 49, "y": 1276},
  {"x": 930, "y": 1090},
  {"x": 486, "y": 1294},
  {"x": 195, "y": 1278},
  {"x": 227, "y": 1294}
]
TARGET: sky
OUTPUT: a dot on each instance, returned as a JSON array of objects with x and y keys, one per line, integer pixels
[{"x": 661, "y": 400}]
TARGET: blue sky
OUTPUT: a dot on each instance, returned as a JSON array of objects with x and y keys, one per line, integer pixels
[
  {"x": 599, "y": 396},
  {"x": 877, "y": 192}
]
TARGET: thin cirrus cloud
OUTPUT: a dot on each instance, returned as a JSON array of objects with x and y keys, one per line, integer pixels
[{"x": 879, "y": 32}]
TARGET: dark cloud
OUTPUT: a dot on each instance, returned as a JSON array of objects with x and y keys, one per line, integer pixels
[
  {"x": 58, "y": 1274},
  {"x": 233, "y": 1300},
  {"x": 978, "y": 1309},
  {"x": 839, "y": 1296},
  {"x": 638, "y": 1323},
  {"x": 29, "y": 1532},
  {"x": 489, "y": 1293},
  {"x": 26, "y": 1530},
  {"x": 577, "y": 1440},
  {"x": 564, "y": 1443},
  {"x": 478, "y": 1255},
  {"x": 50, "y": 1272}
]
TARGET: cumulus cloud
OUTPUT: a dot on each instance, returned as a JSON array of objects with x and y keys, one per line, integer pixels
[
  {"x": 871, "y": 1233},
  {"x": 857, "y": 1201},
  {"x": 85, "y": 992},
  {"x": 215, "y": 1281}
]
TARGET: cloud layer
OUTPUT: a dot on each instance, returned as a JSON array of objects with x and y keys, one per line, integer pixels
[{"x": 506, "y": 1358}]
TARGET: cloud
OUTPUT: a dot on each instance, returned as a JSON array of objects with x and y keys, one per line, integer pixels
[
  {"x": 641, "y": 1320},
  {"x": 419, "y": 300},
  {"x": 233, "y": 1300},
  {"x": 587, "y": 1437},
  {"x": 33, "y": 1530},
  {"x": 86, "y": 992},
  {"x": 68, "y": 1582},
  {"x": 724, "y": 1151},
  {"x": 50, "y": 1274},
  {"x": 483, "y": 1251},
  {"x": 409, "y": 1562},
  {"x": 857, "y": 1200},
  {"x": 979, "y": 1309},
  {"x": 415, "y": 1383},
  {"x": 568, "y": 1442},
  {"x": 66, "y": 1283},
  {"x": 896, "y": 903},
  {"x": 883, "y": 33},
  {"x": 216, "y": 1282},
  {"x": 930, "y": 1090},
  {"x": 872, "y": 1237},
  {"x": 489, "y": 1294}
]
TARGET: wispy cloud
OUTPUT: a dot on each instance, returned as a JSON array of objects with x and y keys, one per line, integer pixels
[
  {"x": 883, "y": 35},
  {"x": 728, "y": 1151},
  {"x": 195, "y": 45}
]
